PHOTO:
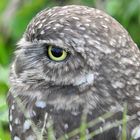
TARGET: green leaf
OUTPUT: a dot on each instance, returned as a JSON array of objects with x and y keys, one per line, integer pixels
[
  {"x": 3, "y": 109},
  {"x": 3, "y": 53},
  {"x": 4, "y": 72}
]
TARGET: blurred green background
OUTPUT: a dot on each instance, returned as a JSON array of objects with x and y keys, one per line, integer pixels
[{"x": 16, "y": 14}]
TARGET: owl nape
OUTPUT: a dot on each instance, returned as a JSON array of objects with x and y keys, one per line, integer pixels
[{"x": 75, "y": 62}]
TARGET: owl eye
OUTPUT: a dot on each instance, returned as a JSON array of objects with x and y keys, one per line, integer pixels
[{"x": 56, "y": 54}]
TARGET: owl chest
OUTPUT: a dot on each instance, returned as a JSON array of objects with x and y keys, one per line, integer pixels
[{"x": 65, "y": 120}]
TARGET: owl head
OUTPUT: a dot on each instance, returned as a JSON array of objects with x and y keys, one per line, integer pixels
[{"x": 73, "y": 46}]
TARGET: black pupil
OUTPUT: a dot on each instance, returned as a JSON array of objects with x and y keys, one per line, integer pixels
[{"x": 57, "y": 52}]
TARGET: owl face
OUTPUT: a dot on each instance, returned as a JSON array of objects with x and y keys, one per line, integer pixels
[
  {"x": 71, "y": 45},
  {"x": 63, "y": 50}
]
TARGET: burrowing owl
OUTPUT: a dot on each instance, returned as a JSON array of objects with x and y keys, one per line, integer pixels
[{"x": 74, "y": 60}]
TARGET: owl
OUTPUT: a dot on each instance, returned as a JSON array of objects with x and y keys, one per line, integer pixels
[{"x": 74, "y": 65}]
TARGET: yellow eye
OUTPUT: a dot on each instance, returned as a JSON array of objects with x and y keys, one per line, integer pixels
[{"x": 56, "y": 53}]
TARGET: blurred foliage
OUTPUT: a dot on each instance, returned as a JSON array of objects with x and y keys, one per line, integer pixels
[{"x": 127, "y": 12}]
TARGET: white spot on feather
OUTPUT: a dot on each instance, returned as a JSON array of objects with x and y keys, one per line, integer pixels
[
  {"x": 40, "y": 25},
  {"x": 40, "y": 104},
  {"x": 30, "y": 138},
  {"x": 86, "y": 79},
  {"x": 26, "y": 125},
  {"x": 10, "y": 118},
  {"x": 42, "y": 32},
  {"x": 118, "y": 84},
  {"x": 138, "y": 113},
  {"x": 10, "y": 127},
  {"x": 17, "y": 121},
  {"x": 137, "y": 97},
  {"x": 136, "y": 132},
  {"x": 66, "y": 126},
  {"x": 16, "y": 138},
  {"x": 38, "y": 22},
  {"x": 13, "y": 107}
]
